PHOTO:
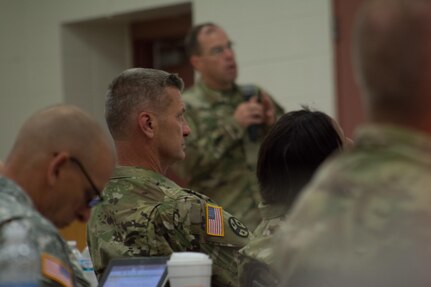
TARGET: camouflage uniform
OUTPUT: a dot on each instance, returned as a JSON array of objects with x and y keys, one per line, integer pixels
[
  {"x": 261, "y": 247},
  {"x": 146, "y": 214},
  {"x": 221, "y": 161},
  {"x": 15, "y": 205},
  {"x": 272, "y": 216},
  {"x": 365, "y": 219}
]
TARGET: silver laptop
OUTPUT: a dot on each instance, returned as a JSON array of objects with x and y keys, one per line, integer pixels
[{"x": 135, "y": 272}]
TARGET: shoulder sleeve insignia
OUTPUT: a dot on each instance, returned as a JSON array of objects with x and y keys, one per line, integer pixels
[
  {"x": 56, "y": 270},
  {"x": 214, "y": 220},
  {"x": 238, "y": 227}
]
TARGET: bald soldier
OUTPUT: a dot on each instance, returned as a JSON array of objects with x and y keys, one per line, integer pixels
[
  {"x": 145, "y": 213},
  {"x": 365, "y": 219},
  {"x": 60, "y": 161}
]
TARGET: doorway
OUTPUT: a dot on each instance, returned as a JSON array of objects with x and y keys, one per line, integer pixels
[{"x": 158, "y": 43}]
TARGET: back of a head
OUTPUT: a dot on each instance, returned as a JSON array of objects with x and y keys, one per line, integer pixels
[
  {"x": 292, "y": 150},
  {"x": 60, "y": 128},
  {"x": 392, "y": 39},
  {"x": 133, "y": 89}
]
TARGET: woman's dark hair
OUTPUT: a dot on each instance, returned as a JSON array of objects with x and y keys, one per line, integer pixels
[{"x": 291, "y": 152}]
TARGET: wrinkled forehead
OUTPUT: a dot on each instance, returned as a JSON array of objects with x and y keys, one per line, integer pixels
[
  {"x": 208, "y": 30},
  {"x": 209, "y": 35}
]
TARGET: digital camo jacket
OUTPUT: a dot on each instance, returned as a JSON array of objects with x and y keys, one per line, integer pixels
[
  {"x": 146, "y": 214},
  {"x": 58, "y": 268},
  {"x": 261, "y": 247},
  {"x": 365, "y": 219},
  {"x": 221, "y": 157}
]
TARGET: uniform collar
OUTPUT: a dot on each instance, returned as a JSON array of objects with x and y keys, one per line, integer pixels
[
  {"x": 135, "y": 171},
  {"x": 271, "y": 211},
  {"x": 7, "y": 186},
  {"x": 388, "y": 135},
  {"x": 216, "y": 96}
]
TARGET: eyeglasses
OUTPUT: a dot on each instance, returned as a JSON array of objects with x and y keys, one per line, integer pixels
[
  {"x": 219, "y": 50},
  {"x": 98, "y": 198}
]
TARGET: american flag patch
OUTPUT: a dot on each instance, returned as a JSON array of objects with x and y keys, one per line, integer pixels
[
  {"x": 54, "y": 269},
  {"x": 215, "y": 226}
]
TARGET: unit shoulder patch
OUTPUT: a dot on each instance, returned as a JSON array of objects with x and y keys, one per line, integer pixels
[{"x": 238, "y": 227}]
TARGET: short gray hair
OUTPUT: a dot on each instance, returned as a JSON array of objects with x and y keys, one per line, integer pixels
[{"x": 133, "y": 89}]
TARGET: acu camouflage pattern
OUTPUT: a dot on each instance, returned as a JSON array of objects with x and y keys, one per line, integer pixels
[
  {"x": 365, "y": 220},
  {"x": 221, "y": 159},
  {"x": 146, "y": 214},
  {"x": 261, "y": 247},
  {"x": 15, "y": 205}
]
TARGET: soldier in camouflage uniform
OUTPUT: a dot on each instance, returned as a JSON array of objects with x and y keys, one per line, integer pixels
[
  {"x": 145, "y": 213},
  {"x": 291, "y": 152},
  {"x": 222, "y": 161},
  {"x": 42, "y": 187},
  {"x": 365, "y": 218}
]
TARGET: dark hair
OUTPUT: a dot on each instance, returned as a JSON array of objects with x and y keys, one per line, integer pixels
[
  {"x": 134, "y": 89},
  {"x": 191, "y": 43},
  {"x": 291, "y": 152}
]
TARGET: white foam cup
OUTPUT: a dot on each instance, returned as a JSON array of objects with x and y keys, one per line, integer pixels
[{"x": 189, "y": 269}]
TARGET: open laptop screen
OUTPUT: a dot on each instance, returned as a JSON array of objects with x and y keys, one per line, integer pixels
[{"x": 135, "y": 271}]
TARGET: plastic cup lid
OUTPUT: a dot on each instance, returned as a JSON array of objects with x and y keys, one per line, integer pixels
[{"x": 189, "y": 257}]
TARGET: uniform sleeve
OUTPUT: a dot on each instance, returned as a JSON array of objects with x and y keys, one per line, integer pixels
[
  {"x": 255, "y": 273},
  {"x": 148, "y": 231},
  {"x": 221, "y": 245},
  {"x": 256, "y": 262},
  {"x": 53, "y": 249},
  {"x": 171, "y": 225}
]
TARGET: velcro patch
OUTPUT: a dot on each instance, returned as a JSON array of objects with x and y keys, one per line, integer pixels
[
  {"x": 56, "y": 270},
  {"x": 215, "y": 224},
  {"x": 238, "y": 227}
]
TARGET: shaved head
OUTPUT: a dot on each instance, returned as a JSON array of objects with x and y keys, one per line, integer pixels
[
  {"x": 53, "y": 150},
  {"x": 58, "y": 128}
]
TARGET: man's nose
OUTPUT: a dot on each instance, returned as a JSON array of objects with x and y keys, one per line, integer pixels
[
  {"x": 228, "y": 53},
  {"x": 186, "y": 130}
]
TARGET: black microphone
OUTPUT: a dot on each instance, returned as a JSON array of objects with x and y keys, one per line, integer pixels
[{"x": 249, "y": 91}]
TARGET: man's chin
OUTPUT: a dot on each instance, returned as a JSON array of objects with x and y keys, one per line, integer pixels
[
  {"x": 62, "y": 224},
  {"x": 231, "y": 75}
]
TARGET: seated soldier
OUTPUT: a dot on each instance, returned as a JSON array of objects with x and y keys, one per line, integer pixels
[
  {"x": 60, "y": 160},
  {"x": 145, "y": 213},
  {"x": 297, "y": 144}
]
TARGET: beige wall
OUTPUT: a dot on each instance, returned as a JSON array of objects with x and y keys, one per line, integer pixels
[
  {"x": 55, "y": 51},
  {"x": 283, "y": 45}
]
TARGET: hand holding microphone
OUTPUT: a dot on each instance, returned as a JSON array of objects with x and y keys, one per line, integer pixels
[{"x": 251, "y": 113}]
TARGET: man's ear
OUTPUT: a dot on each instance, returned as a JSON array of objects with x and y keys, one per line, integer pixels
[
  {"x": 55, "y": 165},
  {"x": 196, "y": 62},
  {"x": 147, "y": 123}
]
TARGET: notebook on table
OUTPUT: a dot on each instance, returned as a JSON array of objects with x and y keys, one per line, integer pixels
[{"x": 135, "y": 272}]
